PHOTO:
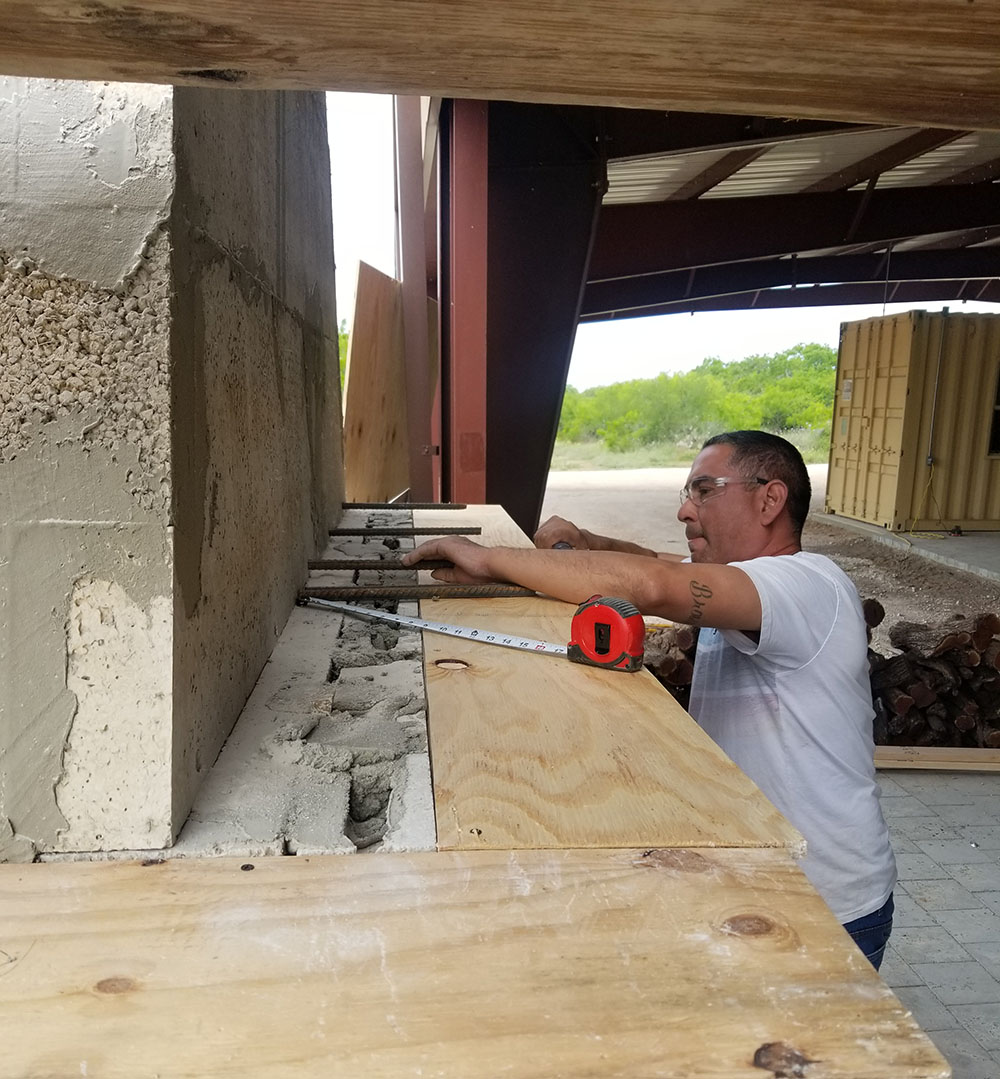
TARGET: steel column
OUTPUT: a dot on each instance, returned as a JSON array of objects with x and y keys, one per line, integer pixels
[
  {"x": 463, "y": 314},
  {"x": 412, "y": 261},
  {"x": 547, "y": 179}
]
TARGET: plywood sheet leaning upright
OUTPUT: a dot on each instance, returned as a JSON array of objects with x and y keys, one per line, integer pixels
[
  {"x": 376, "y": 451},
  {"x": 532, "y": 751}
]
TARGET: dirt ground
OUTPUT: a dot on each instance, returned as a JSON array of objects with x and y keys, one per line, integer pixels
[{"x": 641, "y": 505}]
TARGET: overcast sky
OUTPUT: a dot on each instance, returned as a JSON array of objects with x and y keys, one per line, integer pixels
[{"x": 361, "y": 165}]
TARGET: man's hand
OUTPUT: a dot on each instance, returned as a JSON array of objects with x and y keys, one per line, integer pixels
[
  {"x": 469, "y": 558},
  {"x": 558, "y": 530}
]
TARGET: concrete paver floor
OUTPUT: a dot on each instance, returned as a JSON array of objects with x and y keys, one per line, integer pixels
[{"x": 943, "y": 960}]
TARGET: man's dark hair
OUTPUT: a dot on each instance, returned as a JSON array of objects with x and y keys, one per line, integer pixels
[{"x": 756, "y": 453}]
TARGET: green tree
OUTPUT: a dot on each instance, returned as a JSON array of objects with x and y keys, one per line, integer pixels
[
  {"x": 787, "y": 390},
  {"x": 342, "y": 341}
]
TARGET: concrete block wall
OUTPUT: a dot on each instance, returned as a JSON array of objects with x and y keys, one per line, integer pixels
[{"x": 169, "y": 437}]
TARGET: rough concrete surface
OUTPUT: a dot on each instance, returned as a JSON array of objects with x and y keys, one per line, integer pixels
[
  {"x": 68, "y": 516},
  {"x": 169, "y": 437},
  {"x": 330, "y": 753},
  {"x": 86, "y": 176},
  {"x": 99, "y": 354},
  {"x": 255, "y": 407},
  {"x": 86, "y": 173}
]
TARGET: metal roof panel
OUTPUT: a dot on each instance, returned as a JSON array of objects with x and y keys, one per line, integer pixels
[{"x": 793, "y": 166}]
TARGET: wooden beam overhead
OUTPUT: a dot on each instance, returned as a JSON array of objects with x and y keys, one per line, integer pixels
[{"x": 868, "y": 61}]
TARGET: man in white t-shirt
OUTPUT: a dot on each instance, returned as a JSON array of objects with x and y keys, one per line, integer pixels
[{"x": 781, "y": 674}]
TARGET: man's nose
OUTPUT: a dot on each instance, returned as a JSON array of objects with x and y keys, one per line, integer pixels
[{"x": 686, "y": 511}]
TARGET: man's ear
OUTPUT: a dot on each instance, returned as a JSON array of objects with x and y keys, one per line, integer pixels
[{"x": 774, "y": 495}]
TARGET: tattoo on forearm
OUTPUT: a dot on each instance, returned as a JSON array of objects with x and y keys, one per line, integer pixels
[{"x": 700, "y": 595}]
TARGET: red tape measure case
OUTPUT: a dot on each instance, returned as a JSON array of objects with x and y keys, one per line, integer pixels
[{"x": 607, "y": 632}]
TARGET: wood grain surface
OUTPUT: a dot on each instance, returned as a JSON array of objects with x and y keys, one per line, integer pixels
[
  {"x": 376, "y": 437},
  {"x": 534, "y": 751},
  {"x": 455, "y": 965},
  {"x": 941, "y": 758},
  {"x": 933, "y": 64},
  {"x": 498, "y": 529}
]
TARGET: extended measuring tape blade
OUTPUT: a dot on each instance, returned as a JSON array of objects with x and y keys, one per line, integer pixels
[{"x": 525, "y": 644}]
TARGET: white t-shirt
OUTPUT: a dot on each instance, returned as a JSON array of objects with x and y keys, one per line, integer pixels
[{"x": 794, "y": 712}]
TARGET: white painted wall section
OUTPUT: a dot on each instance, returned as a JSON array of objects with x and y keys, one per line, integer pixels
[{"x": 114, "y": 786}]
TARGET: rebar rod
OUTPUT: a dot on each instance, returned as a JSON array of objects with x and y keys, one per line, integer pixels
[
  {"x": 404, "y": 505},
  {"x": 377, "y": 563},
  {"x": 471, "y": 530},
  {"x": 418, "y": 591}
]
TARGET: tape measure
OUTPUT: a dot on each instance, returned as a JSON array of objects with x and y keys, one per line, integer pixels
[{"x": 604, "y": 632}]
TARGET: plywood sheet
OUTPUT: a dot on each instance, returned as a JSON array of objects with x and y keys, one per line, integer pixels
[
  {"x": 376, "y": 446},
  {"x": 869, "y": 60},
  {"x": 534, "y": 751},
  {"x": 460, "y": 966},
  {"x": 498, "y": 530}
]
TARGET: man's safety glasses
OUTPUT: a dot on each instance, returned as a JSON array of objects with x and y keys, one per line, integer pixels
[{"x": 705, "y": 487}]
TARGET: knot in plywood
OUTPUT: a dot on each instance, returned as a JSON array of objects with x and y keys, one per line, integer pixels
[
  {"x": 119, "y": 984},
  {"x": 684, "y": 861},
  {"x": 748, "y": 925},
  {"x": 783, "y": 1060},
  {"x": 756, "y": 927}
]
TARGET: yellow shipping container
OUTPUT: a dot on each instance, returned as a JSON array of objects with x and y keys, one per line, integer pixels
[{"x": 916, "y": 422}]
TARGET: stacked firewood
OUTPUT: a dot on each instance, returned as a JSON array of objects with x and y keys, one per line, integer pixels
[
  {"x": 943, "y": 686},
  {"x": 669, "y": 655}
]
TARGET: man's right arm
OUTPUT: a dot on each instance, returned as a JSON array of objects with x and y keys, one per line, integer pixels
[
  {"x": 701, "y": 595},
  {"x": 558, "y": 530}
]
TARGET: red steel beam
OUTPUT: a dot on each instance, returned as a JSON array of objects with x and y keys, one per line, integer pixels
[
  {"x": 465, "y": 434},
  {"x": 419, "y": 392},
  {"x": 653, "y": 237}
]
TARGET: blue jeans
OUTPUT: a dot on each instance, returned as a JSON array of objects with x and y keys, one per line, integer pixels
[{"x": 871, "y": 933}]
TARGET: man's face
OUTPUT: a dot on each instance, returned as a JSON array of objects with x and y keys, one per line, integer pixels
[{"x": 726, "y": 526}]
